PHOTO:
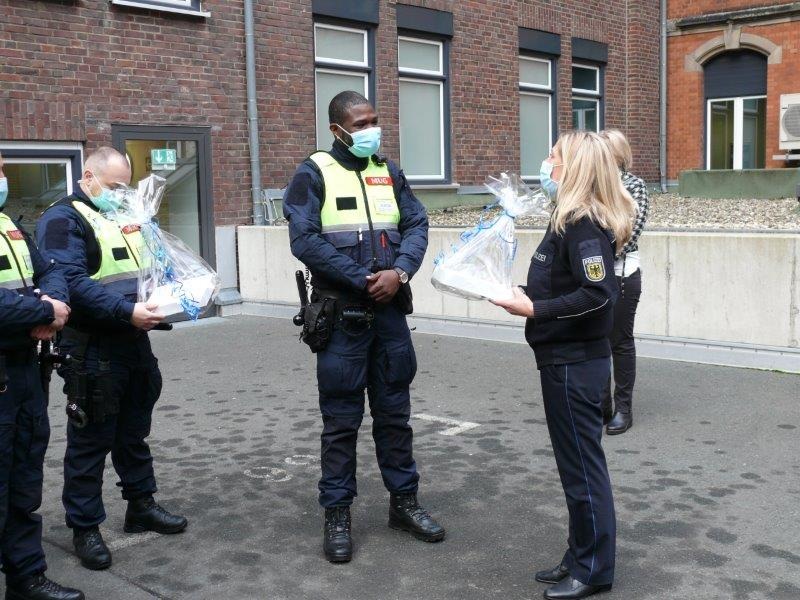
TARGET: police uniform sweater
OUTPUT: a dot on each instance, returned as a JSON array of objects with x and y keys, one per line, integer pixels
[{"x": 572, "y": 285}]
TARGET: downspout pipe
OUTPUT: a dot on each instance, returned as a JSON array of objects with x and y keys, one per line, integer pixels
[
  {"x": 662, "y": 158},
  {"x": 252, "y": 113}
]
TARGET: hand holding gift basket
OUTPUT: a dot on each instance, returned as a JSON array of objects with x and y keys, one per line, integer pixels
[
  {"x": 479, "y": 267},
  {"x": 171, "y": 275}
]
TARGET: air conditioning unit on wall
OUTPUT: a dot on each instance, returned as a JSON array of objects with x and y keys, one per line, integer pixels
[{"x": 790, "y": 122}]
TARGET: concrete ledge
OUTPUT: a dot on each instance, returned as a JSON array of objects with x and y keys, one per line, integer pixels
[
  {"x": 746, "y": 183},
  {"x": 647, "y": 346}
]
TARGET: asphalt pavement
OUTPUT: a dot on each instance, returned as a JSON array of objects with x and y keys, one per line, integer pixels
[{"x": 707, "y": 483}]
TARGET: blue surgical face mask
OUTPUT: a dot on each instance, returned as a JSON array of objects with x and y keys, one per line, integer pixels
[
  {"x": 107, "y": 201},
  {"x": 365, "y": 142},
  {"x": 3, "y": 191},
  {"x": 549, "y": 185}
]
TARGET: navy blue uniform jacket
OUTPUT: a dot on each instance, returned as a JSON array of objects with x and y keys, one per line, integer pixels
[
  {"x": 19, "y": 313},
  {"x": 346, "y": 265},
  {"x": 70, "y": 241},
  {"x": 572, "y": 284}
]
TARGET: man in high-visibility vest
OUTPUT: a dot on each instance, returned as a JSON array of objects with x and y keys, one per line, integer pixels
[
  {"x": 113, "y": 375},
  {"x": 357, "y": 226},
  {"x": 33, "y": 297}
]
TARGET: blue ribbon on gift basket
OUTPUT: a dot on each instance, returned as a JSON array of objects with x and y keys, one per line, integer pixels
[
  {"x": 151, "y": 234},
  {"x": 482, "y": 225}
]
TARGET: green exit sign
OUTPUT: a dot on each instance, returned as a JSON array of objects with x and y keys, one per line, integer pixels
[{"x": 163, "y": 159}]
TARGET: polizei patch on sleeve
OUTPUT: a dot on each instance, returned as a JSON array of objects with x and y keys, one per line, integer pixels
[{"x": 594, "y": 268}]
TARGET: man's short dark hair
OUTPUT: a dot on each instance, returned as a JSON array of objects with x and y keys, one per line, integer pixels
[{"x": 342, "y": 103}]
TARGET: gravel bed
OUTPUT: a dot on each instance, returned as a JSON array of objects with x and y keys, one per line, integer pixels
[{"x": 670, "y": 211}]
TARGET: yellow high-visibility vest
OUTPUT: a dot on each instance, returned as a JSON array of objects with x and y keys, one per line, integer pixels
[
  {"x": 16, "y": 268},
  {"x": 353, "y": 198},
  {"x": 120, "y": 247}
]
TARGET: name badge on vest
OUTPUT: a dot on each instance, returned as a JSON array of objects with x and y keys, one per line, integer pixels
[
  {"x": 378, "y": 180},
  {"x": 385, "y": 207},
  {"x": 15, "y": 234},
  {"x": 133, "y": 228}
]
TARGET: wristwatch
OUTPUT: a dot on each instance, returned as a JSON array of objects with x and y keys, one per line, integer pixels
[{"x": 402, "y": 274}]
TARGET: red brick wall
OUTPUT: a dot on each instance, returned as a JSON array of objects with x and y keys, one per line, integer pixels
[
  {"x": 484, "y": 78},
  {"x": 686, "y": 104},
  {"x": 71, "y": 70}
]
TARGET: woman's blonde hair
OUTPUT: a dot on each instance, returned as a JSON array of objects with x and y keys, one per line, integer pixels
[
  {"x": 620, "y": 147},
  {"x": 590, "y": 186}
]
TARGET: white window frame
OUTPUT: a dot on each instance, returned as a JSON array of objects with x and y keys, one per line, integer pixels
[
  {"x": 581, "y": 91},
  {"x": 337, "y": 61},
  {"x": 738, "y": 129},
  {"x": 318, "y": 70},
  {"x": 410, "y": 71},
  {"x": 183, "y": 7},
  {"x": 537, "y": 86},
  {"x": 533, "y": 89},
  {"x": 32, "y": 160},
  {"x": 437, "y": 78},
  {"x": 441, "y": 174},
  {"x": 597, "y": 109}
]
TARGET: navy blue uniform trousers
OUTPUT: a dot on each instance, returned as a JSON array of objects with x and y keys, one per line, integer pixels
[
  {"x": 137, "y": 385},
  {"x": 24, "y": 434},
  {"x": 573, "y": 394},
  {"x": 382, "y": 361}
]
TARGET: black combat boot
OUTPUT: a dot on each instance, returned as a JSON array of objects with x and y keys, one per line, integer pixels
[
  {"x": 406, "y": 514},
  {"x": 145, "y": 514},
  {"x": 91, "y": 549},
  {"x": 40, "y": 587},
  {"x": 338, "y": 544}
]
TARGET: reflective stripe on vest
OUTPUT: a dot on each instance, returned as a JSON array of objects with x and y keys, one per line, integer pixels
[
  {"x": 16, "y": 268},
  {"x": 120, "y": 248},
  {"x": 344, "y": 207}
]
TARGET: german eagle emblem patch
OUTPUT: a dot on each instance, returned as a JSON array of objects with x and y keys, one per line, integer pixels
[{"x": 594, "y": 268}]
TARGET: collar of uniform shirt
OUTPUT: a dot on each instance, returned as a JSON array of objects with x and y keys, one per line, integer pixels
[{"x": 347, "y": 159}]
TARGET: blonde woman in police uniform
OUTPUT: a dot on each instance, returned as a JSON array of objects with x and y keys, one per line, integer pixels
[
  {"x": 568, "y": 303},
  {"x": 356, "y": 225}
]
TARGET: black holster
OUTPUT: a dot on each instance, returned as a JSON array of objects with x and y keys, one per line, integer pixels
[
  {"x": 92, "y": 393},
  {"x": 319, "y": 318}
]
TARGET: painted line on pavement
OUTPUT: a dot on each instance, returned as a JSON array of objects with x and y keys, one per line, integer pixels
[
  {"x": 115, "y": 543},
  {"x": 455, "y": 428}
]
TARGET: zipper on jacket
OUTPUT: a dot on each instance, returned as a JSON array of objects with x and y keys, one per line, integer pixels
[
  {"x": 14, "y": 256},
  {"x": 369, "y": 219}
]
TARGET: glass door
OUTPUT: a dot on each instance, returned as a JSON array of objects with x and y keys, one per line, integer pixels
[
  {"x": 737, "y": 133},
  {"x": 187, "y": 207}
]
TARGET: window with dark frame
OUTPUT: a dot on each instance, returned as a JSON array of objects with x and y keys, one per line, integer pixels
[
  {"x": 423, "y": 116},
  {"x": 343, "y": 61},
  {"x": 186, "y": 7},
  {"x": 536, "y": 129},
  {"x": 587, "y": 96}
]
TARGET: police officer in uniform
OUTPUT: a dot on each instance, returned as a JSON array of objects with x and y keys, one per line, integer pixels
[
  {"x": 569, "y": 302},
  {"x": 113, "y": 374},
  {"x": 356, "y": 225},
  {"x": 32, "y": 307}
]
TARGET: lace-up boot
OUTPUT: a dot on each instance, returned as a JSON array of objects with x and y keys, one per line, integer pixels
[{"x": 406, "y": 514}]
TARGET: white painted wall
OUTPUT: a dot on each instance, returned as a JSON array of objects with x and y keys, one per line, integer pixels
[{"x": 727, "y": 287}]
